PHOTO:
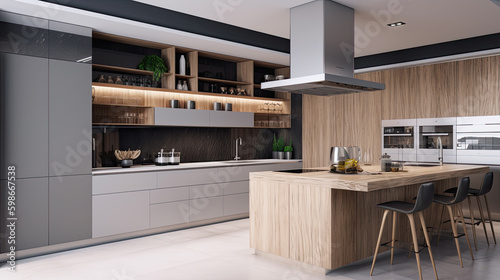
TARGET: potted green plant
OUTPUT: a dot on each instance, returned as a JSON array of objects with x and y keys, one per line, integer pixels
[
  {"x": 281, "y": 146},
  {"x": 154, "y": 64},
  {"x": 275, "y": 148},
  {"x": 288, "y": 151}
]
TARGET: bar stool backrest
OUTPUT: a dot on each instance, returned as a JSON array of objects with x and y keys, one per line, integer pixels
[
  {"x": 462, "y": 190},
  {"x": 487, "y": 184},
  {"x": 424, "y": 197}
]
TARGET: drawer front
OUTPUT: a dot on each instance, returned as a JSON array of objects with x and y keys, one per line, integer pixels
[
  {"x": 240, "y": 173},
  {"x": 169, "y": 195},
  {"x": 205, "y": 208},
  {"x": 103, "y": 184},
  {"x": 209, "y": 190},
  {"x": 181, "y": 117},
  {"x": 231, "y": 119},
  {"x": 172, "y": 213},
  {"x": 179, "y": 178},
  {"x": 236, "y": 187},
  {"x": 236, "y": 204},
  {"x": 120, "y": 213}
]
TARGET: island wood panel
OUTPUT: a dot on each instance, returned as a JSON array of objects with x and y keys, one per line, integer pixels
[
  {"x": 344, "y": 222},
  {"x": 437, "y": 92},
  {"x": 322, "y": 128},
  {"x": 370, "y": 218},
  {"x": 270, "y": 217},
  {"x": 478, "y": 92}
]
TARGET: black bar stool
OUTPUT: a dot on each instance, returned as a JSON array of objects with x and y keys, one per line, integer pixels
[
  {"x": 424, "y": 200},
  {"x": 450, "y": 202},
  {"x": 482, "y": 191}
]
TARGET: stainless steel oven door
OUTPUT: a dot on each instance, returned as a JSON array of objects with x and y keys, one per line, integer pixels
[
  {"x": 429, "y": 130},
  {"x": 398, "y": 139},
  {"x": 478, "y": 140}
]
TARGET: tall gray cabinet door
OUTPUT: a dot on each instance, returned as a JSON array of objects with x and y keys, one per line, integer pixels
[
  {"x": 31, "y": 213},
  {"x": 70, "y": 115},
  {"x": 70, "y": 208},
  {"x": 24, "y": 115}
]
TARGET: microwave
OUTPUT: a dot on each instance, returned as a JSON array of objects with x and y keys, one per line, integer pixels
[{"x": 398, "y": 139}]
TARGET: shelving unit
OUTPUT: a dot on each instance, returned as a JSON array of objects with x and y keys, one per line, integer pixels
[{"x": 114, "y": 103}]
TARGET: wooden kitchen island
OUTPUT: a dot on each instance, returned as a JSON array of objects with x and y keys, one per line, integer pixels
[{"x": 330, "y": 220}]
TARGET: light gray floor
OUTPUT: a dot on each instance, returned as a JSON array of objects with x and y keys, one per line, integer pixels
[{"x": 221, "y": 251}]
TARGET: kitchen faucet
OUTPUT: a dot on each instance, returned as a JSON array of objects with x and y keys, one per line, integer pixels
[
  {"x": 240, "y": 142},
  {"x": 440, "y": 147}
]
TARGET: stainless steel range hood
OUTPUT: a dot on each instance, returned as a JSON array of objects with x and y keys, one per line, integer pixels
[{"x": 322, "y": 52}]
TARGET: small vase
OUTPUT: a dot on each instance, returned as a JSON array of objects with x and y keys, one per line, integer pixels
[
  {"x": 185, "y": 86},
  {"x": 110, "y": 80},
  {"x": 179, "y": 85},
  {"x": 182, "y": 65},
  {"x": 281, "y": 155},
  {"x": 275, "y": 155},
  {"x": 101, "y": 79},
  {"x": 288, "y": 155}
]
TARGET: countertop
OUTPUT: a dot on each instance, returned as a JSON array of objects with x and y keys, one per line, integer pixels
[
  {"x": 365, "y": 182},
  {"x": 192, "y": 165}
]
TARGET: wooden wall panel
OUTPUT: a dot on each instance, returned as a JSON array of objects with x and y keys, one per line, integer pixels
[
  {"x": 322, "y": 127},
  {"x": 478, "y": 91},
  {"x": 437, "y": 96},
  {"x": 461, "y": 88},
  {"x": 399, "y": 97}
]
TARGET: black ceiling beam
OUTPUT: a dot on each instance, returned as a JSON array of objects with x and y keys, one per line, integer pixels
[
  {"x": 140, "y": 12},
  {"x": 463, "y": 46}
]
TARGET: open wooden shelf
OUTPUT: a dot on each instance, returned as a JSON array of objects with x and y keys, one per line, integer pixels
[
  {"x": 256, "y": 86},
  {"x": 270, "y": 114},
  {"x": 123, "y": 70},
  {"x": 186, "y": 92},
  {"x": 228, "y": 82},
  {"x": 184, "y": 76},
  {"x": 122, "y": 105}
]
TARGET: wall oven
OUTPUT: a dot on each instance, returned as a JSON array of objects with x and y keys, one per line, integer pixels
[
  {"x": 429, "y": 131},
  {"x": 398, "y": 139},
  {"x": 478, "y": 140}
]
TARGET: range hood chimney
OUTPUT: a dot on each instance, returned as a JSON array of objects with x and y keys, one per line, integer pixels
[{"x": 322, "y": 52}]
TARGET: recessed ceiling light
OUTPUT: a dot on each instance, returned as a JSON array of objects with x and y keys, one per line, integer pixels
[{"x": 394, "y": 24}]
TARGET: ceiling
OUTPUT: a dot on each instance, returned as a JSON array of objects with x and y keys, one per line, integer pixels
[{"x": 427, "y": 21}]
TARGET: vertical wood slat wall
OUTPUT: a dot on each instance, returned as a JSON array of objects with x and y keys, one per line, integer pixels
[{"x": 461, "y": 88}]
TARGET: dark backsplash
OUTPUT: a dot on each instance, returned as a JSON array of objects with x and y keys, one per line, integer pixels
[{"x": 208, "y": 144}]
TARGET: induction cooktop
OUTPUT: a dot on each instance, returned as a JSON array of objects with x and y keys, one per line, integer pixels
[{"x": 302, "y": 170}]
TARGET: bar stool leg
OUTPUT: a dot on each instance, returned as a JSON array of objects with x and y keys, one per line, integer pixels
[
  {"x": 440, "y": 224},
  {"x": 482, "y": 219},
  {"x": 455, "y": 234},
  {"x": 379, "y": 239},
  {"x": 415, "y": 243},
  {"x": 473, "y": 222},
  {"x": 489, "y": 218},
  {"x": 426, "y": 235},
  {"x": 393, "y": 235},
  {"x": 459, "y": 206}
]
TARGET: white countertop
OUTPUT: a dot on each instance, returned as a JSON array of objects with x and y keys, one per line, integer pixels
[{"x": 192, "y": 165}]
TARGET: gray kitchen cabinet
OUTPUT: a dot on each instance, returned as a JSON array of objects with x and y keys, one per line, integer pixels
[
  {"x": 171, "y": 213},
  {"x": 288, "y": 166},
  {"x": 236, "y": 204},
  {"x": 189, "y": 177},
  {"x": 120, "y": 213},
  {"x": 236, "y": 187},
  {"x": 115, "y": 183},
  {"x": 70, "y": 208},
  {"x": 31, "y": 213},
  {"x": 241, "y": 172},
  {"x": 24, "y": 115},
  {"x": 231, "y": 119},
  {"x": 169, "y": 195},
  {"x": 205, "y": 208},
  {"x": 208, "y": 190},
  {"x": 181, "y": 117},
  {"x": 70, "y": 115}
]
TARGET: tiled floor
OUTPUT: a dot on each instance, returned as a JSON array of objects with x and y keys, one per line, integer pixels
[{"x": 221, "y": 251}]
